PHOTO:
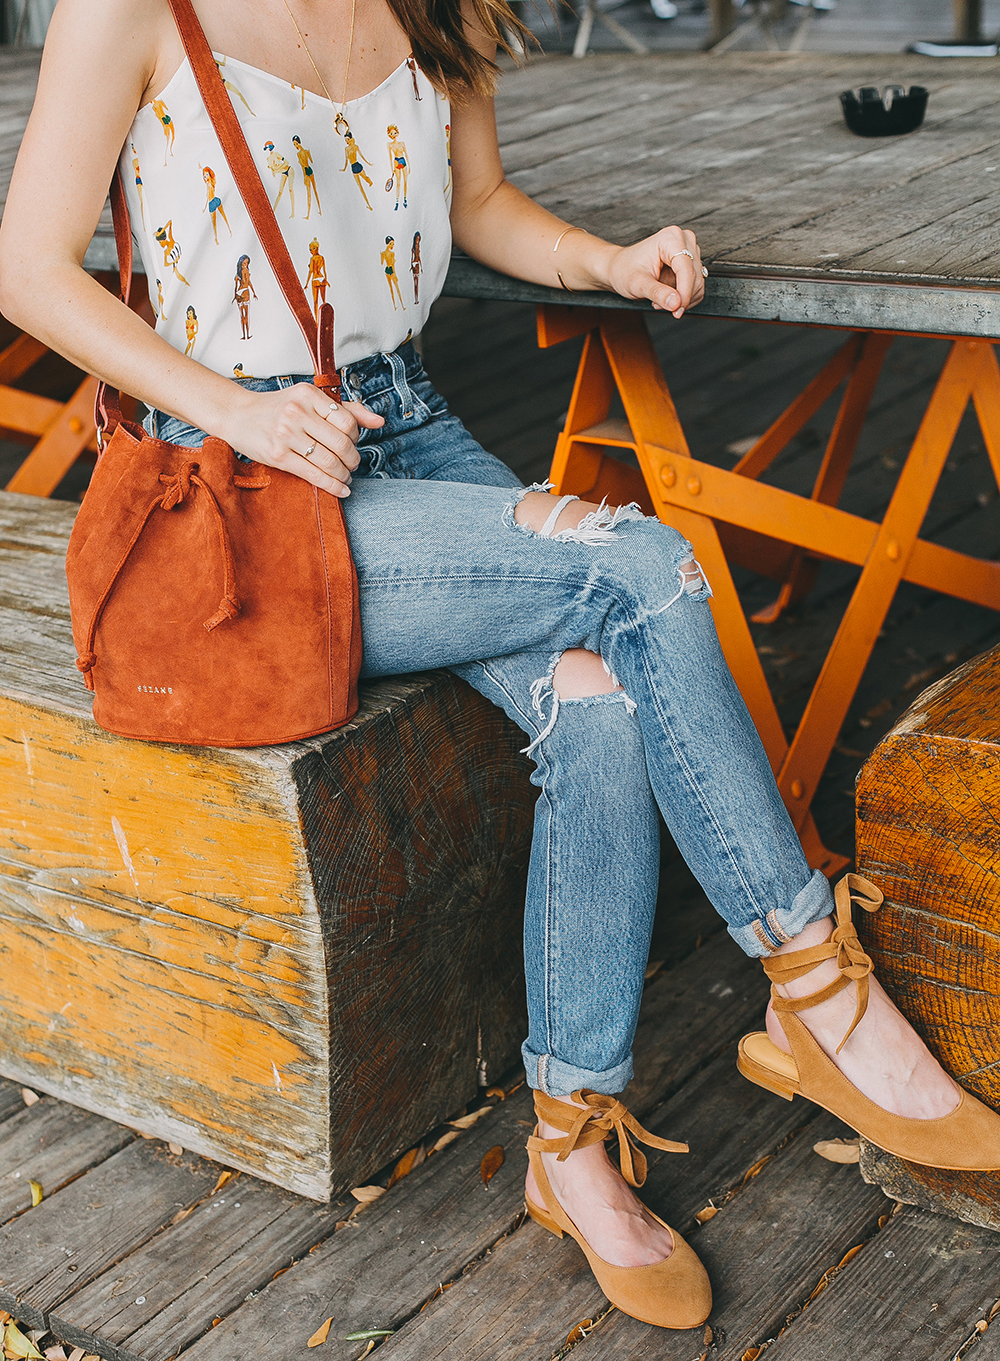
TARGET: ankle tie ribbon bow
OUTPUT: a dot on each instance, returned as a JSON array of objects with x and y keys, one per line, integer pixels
[
  {"x": 843, "y": 946},
  {"x": 595, "y": 1122}
]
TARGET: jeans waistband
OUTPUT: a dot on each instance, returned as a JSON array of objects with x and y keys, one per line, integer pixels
[{"x": 363, "y": 380}]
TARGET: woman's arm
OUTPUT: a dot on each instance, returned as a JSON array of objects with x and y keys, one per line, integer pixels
[
  {"x": 500, "y": 226},
  {"x": 101, "y": 62}
]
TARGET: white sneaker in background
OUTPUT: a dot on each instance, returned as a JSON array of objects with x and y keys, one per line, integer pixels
[{"x": 664, "y": 9}]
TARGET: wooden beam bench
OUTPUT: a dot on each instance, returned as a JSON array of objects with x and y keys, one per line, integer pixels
[
  {"x": 295, "y": 960},
  {"x": 928, "y": 832}
]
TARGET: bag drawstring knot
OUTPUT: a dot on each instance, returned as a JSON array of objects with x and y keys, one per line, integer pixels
[{"x": 178, "y": 487}]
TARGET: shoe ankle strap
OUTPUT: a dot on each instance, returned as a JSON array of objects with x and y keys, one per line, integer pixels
[
  {"x": 843, "y": 945},
  {"x": 593, "y": 1123}
]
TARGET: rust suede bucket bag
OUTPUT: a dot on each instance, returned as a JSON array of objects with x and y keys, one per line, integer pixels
[{"x": 214, "y": 601}]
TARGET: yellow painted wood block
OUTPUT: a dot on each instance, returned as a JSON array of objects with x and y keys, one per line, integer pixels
[{"x": 292, "y": 959}]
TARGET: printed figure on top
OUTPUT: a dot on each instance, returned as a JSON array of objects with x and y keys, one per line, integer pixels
[
  {"x": 190, "y": 330},
  {"x": 411, "y": 66},
  {"x": 220, "y": 63},
  {"x": 159, "y": 295},
  {"x": 302, "y": 91},
  {"x": 213, "y": 204},
  {"x": 138, "y": 183},
  {"x": 283, "y": 173},
  {"x": 316, "y": 276},
  {"x": 239, "y": 372},
  {"x": 415, "y": 266},
  {"x": 242, "y": 293},
  {"x": 171, "y": 250},
  {"x": 308, "y": 176},
  {"x": 353, "y": 158},
  {"x": 447, "y": 145},
  {"x": 399, "y": 170},
  {"x": 169, "y": 131},
  {"x": 388, "y": 258}
]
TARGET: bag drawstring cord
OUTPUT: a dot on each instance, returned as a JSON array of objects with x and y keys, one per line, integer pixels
[{"x": 178, "y": 486}]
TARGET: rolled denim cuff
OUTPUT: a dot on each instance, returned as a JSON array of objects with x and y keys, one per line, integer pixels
[
  {"x": 782, "y": 924},
  {"x": 556, "y": 1078}
]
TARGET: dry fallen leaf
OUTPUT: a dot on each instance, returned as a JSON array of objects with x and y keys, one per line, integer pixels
[
  {"x": 413, "y": 1158},
  {"x": 18, "y": 1345},
  {"x": 578, "y": 1333},
  {"x": 369, "y": 1349},
  {"x": 496, "y": 1091},
  {"x": 365, "y": 1194},
  {"x": 182, "y": 1214},
  {"x": 55, "y": 1354},
  {"x": 467, "y": 1121},
  {"x": 77, "y": 1354},
  {"x": 709, "y": 1212},
  {"x": 37, "y": 1193},
  {"x": 370, "y": 1332},
  {"x": 176, "y": 1149},
  {"x": 28, "y": 1096},
  {"x": 750, "y": 1173},
  {"x": 321, "y": 1334},
  {"x": 653, "y": 968},
  {"x": 448, "y": 1137},
  {"x": 839, "y": 1150},
  {"x": 223, "y": 1178},
  {"x": 993, "y": 1312},
  {"x": 751, "y": 1354},
  {"x": 4, "y": 1317},
  {"x": 491, "y": 1163},
  {"x": 707, "y": 1336}
]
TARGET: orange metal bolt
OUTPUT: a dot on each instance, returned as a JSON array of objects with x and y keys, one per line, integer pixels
[
  {"x": 667, "y": 475},
  {"x": 892, "y": 550},
  {"x": 694, "y": 485},
  {"x": 75, "y": 424},
  {"x": 797, "y": 789}
]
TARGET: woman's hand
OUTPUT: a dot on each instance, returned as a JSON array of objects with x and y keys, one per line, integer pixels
[
  {"x": 302, "y": 431},
  {"x": 656, "y": 269}
]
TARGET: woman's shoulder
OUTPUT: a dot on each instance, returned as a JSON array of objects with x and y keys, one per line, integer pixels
[{"x": 135, "y": 40}]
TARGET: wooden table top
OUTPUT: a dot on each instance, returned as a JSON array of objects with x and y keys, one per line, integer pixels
[{"x": 798, "y": 219}]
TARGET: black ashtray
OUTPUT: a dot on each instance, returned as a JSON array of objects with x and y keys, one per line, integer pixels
[{"x": 871, "y": 113}]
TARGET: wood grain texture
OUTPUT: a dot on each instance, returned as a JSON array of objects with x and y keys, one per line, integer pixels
[
  {"x": 11, "y": 1100},
  {"x": 193, "y": 1272},
  {"x": 51, "y": 1143},
  {"x": 973, "y": 1197},
  {"x": 916, "y": 1290},
  {"x": 66, "y": 1241},
  {"x": 296, "y": 959},
  {"x": 928, "y": 808}
]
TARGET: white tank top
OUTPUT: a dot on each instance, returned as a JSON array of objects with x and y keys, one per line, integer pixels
[{"x": 364, "y": 216}]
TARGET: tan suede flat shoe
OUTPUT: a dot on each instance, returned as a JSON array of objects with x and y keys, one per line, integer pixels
[
  {"x": 966, "y": 1140},
  {"x": 673, "y": 1293}
]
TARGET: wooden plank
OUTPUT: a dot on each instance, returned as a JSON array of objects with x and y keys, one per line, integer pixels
[
  {"x": 379, "y": 1273},
  {"x": 520, "y": 1302},
  {"x": 766, "y": 1252},
  {"x": 193, "y": 1272},
  {"x": 51, "y": 1143},
  {"x": 68, "y": 1240},
  {"x": 917, "y": 1290},
  {"x": 11, "y": 1102}
]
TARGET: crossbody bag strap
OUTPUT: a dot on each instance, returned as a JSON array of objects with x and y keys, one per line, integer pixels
[{"x": 318, "y": 335}]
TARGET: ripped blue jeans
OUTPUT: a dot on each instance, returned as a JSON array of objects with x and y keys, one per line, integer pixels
[{"x": 449, "y": 578}]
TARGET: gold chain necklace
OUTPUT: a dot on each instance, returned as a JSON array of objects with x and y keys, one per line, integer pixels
[{"x": 340, "y": 123}]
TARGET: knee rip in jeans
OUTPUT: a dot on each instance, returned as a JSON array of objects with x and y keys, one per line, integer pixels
[
  {"x": 598, "y": 527},
  {"x": 543, "y": 691}
]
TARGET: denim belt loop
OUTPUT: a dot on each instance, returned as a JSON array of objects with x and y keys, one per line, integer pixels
[{"x": 403, "y": 390}]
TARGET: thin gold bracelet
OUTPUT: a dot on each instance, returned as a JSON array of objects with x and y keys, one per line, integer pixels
[{"x": 559, "y": 238}]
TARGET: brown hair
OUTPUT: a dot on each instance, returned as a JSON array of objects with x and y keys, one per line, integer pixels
[{"x": 436, "y": 30}]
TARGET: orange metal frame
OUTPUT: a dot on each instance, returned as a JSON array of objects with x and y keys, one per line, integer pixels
[
  {"x": 731, "y": 516},
  {"x": 64, "y": 432}
]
